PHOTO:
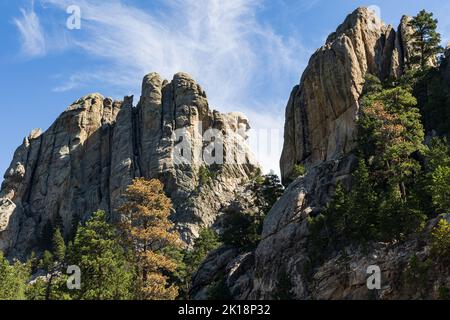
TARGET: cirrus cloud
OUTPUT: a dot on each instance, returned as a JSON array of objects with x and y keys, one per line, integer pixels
[
  {"x": 242, "y": 63},
  {"x": 31, "y": 33}
]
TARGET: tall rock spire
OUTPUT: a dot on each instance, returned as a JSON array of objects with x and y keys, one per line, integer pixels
[{"x": 321, "y": 113}]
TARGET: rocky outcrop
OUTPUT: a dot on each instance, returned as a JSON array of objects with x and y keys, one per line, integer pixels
[
  {"x": 283, "y": 248},
  {"x": 406, "y": 268},
  {"x": 320, "y": 133},
  {"x": 321, "y": 112},
  {"x": 344, "y": 275},
  {"x": 91, "y": 153},
  {"x": 215, "y": 265},
  {"x": 228, "y": 263}
]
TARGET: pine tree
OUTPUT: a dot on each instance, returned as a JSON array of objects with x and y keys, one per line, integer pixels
[
  {"x": 382, "y": 204},
  {"x": 59, "y": 223},
  {"x": 75, "y": 223},
  {"x": 53, "y": 263},
  {"x": 148, "y": 231},
  {"x": 13, "y": 279},
  {"x": 360, "y": 211},
  {"x": 243, "y": 226},
  {"x": 36, "y": 290},
  {"x": 59, "y": 247},
  {"x": 352, "y": 216},
  {"x": 372, "y": 84},
  {"x": 440, "y": 246},
  {"x": 437, "y": 179},
  {"x": 437, "y": 154},
  {"x": 440, "y": 189},
  {"x": 47, "y": 261},
  {"x": 365, "y": 213},
  {"x": 270, "y": 191},
  {"x": 390, "y": 131},
  {"x": 207, "y": 241},
  {"x": 106, "y": 275},
  {"x": 425, "y": 39}
]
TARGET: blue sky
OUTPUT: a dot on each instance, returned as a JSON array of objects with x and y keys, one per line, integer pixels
[{"x": 247, "y": 54}]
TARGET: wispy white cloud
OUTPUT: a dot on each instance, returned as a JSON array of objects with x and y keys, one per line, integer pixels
[
  {"x": 242, "y": 63},
  {"x": 32, "y": 35},
  {"x": 219, "y": 42}
]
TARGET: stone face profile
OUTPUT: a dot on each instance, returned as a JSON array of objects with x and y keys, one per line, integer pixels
[{"x": 91, "y": 153}]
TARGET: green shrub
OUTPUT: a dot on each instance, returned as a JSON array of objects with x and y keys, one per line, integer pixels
[
  {"x": 440, "y": 245},
  {"x": 298, "y": 171},
  {"x": 13, "y": 279},
  {"x": 417, "y": 275},
  {"x": 206, "y": 175},
  {"x": 440, "y": 189},
  {"x": 243, "y": 226}
]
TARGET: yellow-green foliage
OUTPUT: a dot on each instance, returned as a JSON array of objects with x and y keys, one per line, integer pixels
[
  {"x": 440, "y": 246},
  {"x": 205, "y": 175},
  {"x": 13, "y": 279},
  {"x": 298, "y": 171},
  {"x": 440, "y": 188}
]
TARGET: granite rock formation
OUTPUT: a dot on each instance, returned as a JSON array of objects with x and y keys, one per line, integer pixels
[
  {"x": 91, "y": 153},
  {"x": 321, "y": 112},
  {"x": 320, "y": 133}
]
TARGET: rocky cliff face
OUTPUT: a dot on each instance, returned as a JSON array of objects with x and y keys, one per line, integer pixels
[
  {"x": 284, "y": 251},
  {"x": 321, "y": 112},
  {"x": 447, "y": 66},
  {"x": 320, "y": 132},
  {"x": 91, "y": 153}
]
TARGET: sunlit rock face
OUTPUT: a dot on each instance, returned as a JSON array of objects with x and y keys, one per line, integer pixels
[
  {"x": 93, "y": 151},
  {"x": 320, "y": 132},
  {"x": 322, "y": 109}
]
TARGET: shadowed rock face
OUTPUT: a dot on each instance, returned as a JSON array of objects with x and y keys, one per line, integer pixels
[
  {"x": 321, "y": 112},
  {"x": 88, "y": 157}
]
